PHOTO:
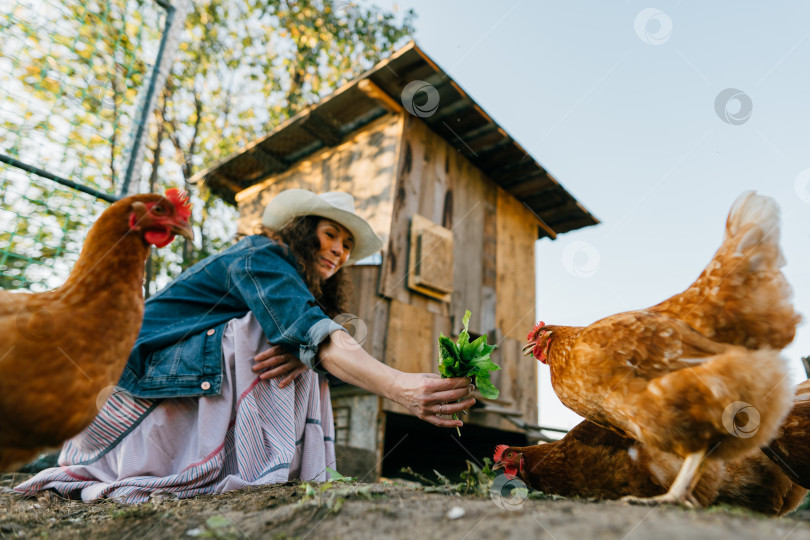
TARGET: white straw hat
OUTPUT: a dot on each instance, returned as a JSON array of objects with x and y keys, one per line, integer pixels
[{"x": 335, "y": 205}]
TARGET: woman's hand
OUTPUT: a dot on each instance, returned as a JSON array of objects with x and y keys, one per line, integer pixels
[
  {"x": 275, "y": 362},
  {"x": 425, "y": 395},
  {"x": 429, "y": 397}
]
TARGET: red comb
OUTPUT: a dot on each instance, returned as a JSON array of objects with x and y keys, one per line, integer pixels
[
  {"x": 537, "y": 327},
  {"x": 499, "y": 450},
  {"x": 179, "y": 198}
]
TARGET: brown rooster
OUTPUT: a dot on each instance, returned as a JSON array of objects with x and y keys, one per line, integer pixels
[
  {"x": 61, "y": 348},
  {"x": 698, "y": 375},
  {"x": 597, "y": 463}
]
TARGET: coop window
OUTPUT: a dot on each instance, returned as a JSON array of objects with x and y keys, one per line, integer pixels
[
  {"x": 431, "y": 259},
  {"x": 342, "y": 417}
]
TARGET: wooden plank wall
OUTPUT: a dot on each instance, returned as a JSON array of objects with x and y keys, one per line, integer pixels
[
  {"x": 364, "y": 166},
  {"x": 370, "y": 308},
  {"x": 493, "y": 247},
  {"x": 514, "y": 312},
  {"x": 437, "y": 182},
  {"x": 516, "y": 233}
]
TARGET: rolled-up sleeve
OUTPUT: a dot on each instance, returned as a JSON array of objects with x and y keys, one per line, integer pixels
[
  {"x": 317, "y": 334},
  {"x": 275, "y": 292}
]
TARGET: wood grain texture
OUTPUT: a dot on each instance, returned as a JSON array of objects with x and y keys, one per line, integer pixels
[
  {"x": 411, "y": 343},
  {"x": 369, "y": 307},
  {"x": 514, "y": 286},
  {"x": 435, "y": 181},
  {"x": 364, "y": 165},
  {"x": 430, "y": 259}
]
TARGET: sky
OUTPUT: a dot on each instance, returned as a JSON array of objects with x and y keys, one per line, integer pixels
[{"x": 655, "y": 117}]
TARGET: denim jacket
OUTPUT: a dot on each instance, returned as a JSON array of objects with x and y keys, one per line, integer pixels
[{"x": 178, "y": 351}]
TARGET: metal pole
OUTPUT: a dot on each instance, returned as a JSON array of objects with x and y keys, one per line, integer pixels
[
  {"x": 58, "y": 179},
  {"x": 159, "y": 72}
]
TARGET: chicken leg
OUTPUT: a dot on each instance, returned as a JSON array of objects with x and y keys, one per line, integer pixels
[{"x": 680, "y": 488}]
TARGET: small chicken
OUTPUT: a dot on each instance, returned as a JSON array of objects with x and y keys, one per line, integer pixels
[
  {"x": 698, "y": 375},
  {"x": 596, "y": 463},
  {"x": 61, "y": 348}
]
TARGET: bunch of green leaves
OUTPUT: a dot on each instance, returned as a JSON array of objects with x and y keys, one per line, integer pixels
[{"x": 468, "y": 359}]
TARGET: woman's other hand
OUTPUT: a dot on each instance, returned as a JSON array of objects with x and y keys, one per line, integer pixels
[
  {"x": 431, "y": 398},
  {"x": 276, "y": 362}
]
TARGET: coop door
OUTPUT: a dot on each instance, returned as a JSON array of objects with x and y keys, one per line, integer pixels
[{"x": 430, "y": 268}]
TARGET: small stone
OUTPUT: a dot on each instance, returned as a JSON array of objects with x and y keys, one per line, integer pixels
[{"x": 456, "y": 512}]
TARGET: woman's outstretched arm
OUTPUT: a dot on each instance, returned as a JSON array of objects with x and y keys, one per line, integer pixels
[{"x": 426, "y": 395}]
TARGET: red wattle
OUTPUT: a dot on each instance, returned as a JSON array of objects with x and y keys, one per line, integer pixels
[{"x": 159, "y": 238}]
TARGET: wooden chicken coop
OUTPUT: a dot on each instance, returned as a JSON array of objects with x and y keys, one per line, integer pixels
[{"x": 459, "y": 205}]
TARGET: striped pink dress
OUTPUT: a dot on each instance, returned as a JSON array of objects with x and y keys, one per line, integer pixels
[{"x": 253, "y": 433}]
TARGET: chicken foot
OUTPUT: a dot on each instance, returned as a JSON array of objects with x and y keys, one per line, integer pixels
[{"x": 680, "y": 490}]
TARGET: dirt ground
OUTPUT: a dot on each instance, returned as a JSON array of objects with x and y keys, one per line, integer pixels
[{"x": 382, "y": 510}]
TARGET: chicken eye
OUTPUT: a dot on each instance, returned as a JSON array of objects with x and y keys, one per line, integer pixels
[{"x": 158, "y": 209}]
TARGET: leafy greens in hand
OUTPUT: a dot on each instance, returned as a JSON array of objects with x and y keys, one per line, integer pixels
[{"x": 468, "y": 359}]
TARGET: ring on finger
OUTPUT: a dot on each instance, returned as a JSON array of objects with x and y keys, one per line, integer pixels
[{"x": 441, "y": 406}]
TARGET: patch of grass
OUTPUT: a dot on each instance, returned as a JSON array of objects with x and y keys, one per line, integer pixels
[
  {"x": 734, "y": 510},
  {"x": 475, "y": 481},
  {"x": 331, "y": 495},
  {"x": 540, "y": 496}
]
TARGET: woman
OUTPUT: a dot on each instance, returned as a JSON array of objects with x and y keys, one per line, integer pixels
[{"x": 206, "y": 405}]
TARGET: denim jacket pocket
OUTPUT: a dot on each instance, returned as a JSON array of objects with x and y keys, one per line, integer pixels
[{"x": 184, "y": 369}]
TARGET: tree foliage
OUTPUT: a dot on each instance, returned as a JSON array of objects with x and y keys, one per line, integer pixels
[
  {"x": 243, "y": 66},
  {"x": 70, "y": 77}
]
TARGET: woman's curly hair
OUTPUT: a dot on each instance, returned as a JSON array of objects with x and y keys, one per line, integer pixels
[{"x": 300, "y": 237}]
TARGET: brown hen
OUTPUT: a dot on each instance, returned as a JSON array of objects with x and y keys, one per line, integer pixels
[
  {"x": 61, "y": 348},
  {"x": 596, "y": 463},
  {"x": 791, "y": 447},
  {"x": 698, "y": 375}
]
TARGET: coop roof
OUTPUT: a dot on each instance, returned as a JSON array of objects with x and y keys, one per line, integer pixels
[{"x": 458, "y": 119}]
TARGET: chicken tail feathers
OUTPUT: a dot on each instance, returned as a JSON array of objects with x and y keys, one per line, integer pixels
[
  {"x": 750, "y": 210},
  {"x": 742, "y": 297},
  {"x": 731, "y": 403}
]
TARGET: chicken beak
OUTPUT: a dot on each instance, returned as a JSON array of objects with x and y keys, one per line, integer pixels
[
  {"x": 528, "y": 349},
  {"x": 183, "y": 229},
  {"x": 498, "y": 465}
]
